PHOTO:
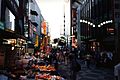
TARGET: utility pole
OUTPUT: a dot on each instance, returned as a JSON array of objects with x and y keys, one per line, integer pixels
[{"x": 64, "y": 19}]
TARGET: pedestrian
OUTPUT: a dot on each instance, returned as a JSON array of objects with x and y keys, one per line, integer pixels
[
  {"x": 88, "y": 59},
  {"x": 56, "y": 64},
  {"x": 74, "y": 65},
  {"x": 109, "y": 59},
  {"x": 104, "y": 59},
  {"x": 97, "y": 58}
]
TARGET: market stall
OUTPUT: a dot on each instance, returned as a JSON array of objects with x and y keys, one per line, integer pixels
[{"x": 42, "y": 71}]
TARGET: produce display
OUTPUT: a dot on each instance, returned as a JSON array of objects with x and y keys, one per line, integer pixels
[
  {"x": 44, "y": 68},
  {"x": 47, "y": 76}
]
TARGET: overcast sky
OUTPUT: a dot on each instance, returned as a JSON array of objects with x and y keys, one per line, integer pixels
[{"x": 53, "y": 13}]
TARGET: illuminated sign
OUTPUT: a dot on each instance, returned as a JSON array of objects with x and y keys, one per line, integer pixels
[
  {"x": 44, "y": 27},
  {"x": 36, "y": 41}
]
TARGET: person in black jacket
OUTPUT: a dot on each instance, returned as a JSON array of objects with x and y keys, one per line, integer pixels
[{"x": 74, "y": 66}]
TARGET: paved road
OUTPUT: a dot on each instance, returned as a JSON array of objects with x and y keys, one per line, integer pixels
[{"x": 87, "y": 74}]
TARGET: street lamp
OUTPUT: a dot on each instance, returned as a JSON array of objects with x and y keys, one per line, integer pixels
[
  {"x": 105, "y": 22},
  {"x": 87, "y": 22},
  {"x": 101, "y": 24},
  {"x": 67, "y": 38},
  {"x": 93, "y": 25}
]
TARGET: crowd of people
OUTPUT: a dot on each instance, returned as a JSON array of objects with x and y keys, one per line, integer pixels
[
  {"x": 67, "y": 56},
  {"x": 104, "y": 59},
  {"x": 100, "y": 59},
  {"x": 55, "y": 57}
]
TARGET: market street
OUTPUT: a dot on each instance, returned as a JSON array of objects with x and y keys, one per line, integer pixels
[{"x": 59, "y": 39}]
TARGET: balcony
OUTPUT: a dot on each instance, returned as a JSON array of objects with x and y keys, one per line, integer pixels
[
  {"x": 32, "y": 6},
  {"x": 34, "y": 12},
  {"x": 34, "y": 20}
]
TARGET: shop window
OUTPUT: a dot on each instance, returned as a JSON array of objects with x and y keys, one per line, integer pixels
[{"x": 9, "y": 20}]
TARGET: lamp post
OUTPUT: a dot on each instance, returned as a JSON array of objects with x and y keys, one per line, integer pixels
[{"x": 68, "y": 37}]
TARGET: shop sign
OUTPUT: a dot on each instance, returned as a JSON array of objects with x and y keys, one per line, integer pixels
[
  {"x": 36, "y": 41},
  {"x": 1, "y": 25},
  {"x": 44, "y": 26}
]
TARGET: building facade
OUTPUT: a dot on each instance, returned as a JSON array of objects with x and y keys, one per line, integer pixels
[
  {"x": 11, "y": 31},
  {"x": 32, "y": 25},
  {"x": 99, "y": 26},
  {"x": 20, "y": 29}
]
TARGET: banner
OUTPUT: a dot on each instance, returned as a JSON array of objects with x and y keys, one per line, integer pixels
[
  {"x": 36, "y": 41},
  {"x": 44, "y": 26}
]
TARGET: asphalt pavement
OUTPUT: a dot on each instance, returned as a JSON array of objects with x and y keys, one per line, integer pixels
[{"x": 85, "y": 73}]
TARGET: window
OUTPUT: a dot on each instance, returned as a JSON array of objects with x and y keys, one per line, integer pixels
[
  {"x": 12, "y": 20},
  {"x": 9, "y": 20},
  {"x": 17, "y": 1},
  {"x": 117, "y": 6}
]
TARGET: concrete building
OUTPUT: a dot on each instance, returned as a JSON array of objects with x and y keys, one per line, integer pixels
[
  {"x": 75, "y": 23},
  {"x": 32, "y": 25},
  {"x": 11, "y": 31},
  {"x": 99, "y": 28},
  {"x": 20, "y": 29}
]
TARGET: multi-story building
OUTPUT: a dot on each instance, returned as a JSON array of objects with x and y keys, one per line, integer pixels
[
  {"x": 116, "y": 17},
  {"x": 32, "y": 26},
  {"x": 99, "y": 28},
  {"x": 11, "y": 31},
  {"x": 75, "y": 24},
  {"x": 20, "y": 29},
  {"x": 45, "y": 40}
]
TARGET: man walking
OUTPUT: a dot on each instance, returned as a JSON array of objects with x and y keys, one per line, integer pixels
[{"x": 74, "y": 65}]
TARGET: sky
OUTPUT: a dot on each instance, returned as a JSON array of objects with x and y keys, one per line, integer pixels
[{"x": 53, "y": 13}]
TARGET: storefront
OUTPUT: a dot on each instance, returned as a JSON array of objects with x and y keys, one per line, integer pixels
[
  {"x": 12, "y": 50},
  {"x": 2, "y": 53}
]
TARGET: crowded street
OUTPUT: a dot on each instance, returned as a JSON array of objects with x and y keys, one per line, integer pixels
[
  {"x": 56, "y": 66},
  {"x": 59, "y": 39}
]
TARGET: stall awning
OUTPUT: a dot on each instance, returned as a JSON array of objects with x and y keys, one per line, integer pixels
[{"x": 10, "y": 35}]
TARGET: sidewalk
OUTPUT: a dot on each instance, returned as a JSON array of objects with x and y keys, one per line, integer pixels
[
  {"x": 64, "y": 70},
  {"x": 87, "y": 74}
]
